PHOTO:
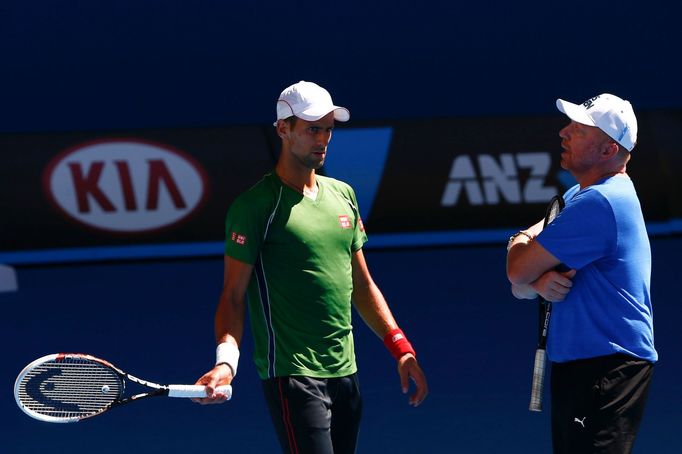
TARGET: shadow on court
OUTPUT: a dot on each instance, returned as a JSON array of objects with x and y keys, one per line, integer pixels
[{"x": 475, "y": 342}]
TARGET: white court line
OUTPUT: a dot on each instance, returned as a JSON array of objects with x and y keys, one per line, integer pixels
[{"x": 8, "y": 279}]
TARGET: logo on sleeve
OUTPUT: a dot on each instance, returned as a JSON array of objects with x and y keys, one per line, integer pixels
[
  {"x": 344, "y": 220},
  {"x": 239, "y": 238},
  {"x": 361, "y": 225}
]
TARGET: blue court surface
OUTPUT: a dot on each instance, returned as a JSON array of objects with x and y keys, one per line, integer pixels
[{"x": 155, "y": 320}]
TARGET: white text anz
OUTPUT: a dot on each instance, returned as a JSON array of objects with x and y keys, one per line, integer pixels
[{"x": 487, "y": 179}]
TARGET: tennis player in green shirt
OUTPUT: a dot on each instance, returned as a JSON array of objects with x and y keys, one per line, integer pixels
[{"x": 294, "y": 246}]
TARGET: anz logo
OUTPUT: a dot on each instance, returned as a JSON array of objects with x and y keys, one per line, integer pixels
[
  {"x": 487, "y": 180},
  {"x": 125, "y": 185}
]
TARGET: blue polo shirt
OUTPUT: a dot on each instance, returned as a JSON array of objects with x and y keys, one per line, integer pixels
[{"x": 601, "y": 233}]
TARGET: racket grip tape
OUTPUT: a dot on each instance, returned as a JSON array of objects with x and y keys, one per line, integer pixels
[
  {"x": 196, "y": 391},
  {"x": 538, "y": 381}
]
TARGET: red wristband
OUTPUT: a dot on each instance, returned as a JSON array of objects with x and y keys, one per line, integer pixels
[{"x": 396, "y": 343}]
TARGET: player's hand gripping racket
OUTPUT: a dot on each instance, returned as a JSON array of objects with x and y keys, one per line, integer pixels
[
  {"x": 553, "y": 209},
  {"x": 68, "y": 387}
]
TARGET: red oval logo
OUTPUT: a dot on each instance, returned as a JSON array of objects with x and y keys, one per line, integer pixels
[{"x": 125, "y": 185}]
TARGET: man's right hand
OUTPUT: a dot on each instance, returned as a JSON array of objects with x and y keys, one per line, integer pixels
[
  {"x": 220, "y": 375},
  {"x": 553, "y": 286}
]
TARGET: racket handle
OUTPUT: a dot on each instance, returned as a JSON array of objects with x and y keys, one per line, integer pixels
[
  {"x": 538, "y": 381},
  {"x": 196, "y": 391}
]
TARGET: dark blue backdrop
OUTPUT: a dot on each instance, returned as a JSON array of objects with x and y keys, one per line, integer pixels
[
  {"x": 79, "y": 64},
  {"x": 474, "y": 340}
]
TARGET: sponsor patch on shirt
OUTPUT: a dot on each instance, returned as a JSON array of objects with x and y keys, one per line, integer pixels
[
  {"x": 239, "y": 238},
  {"x": 344, "y": 220},
  {"x": 361, "y": 225}
]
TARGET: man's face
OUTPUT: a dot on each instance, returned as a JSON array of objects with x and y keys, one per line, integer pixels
[
  {"x": 582, "y": 146},
  {"x": 308, "y": 140}
]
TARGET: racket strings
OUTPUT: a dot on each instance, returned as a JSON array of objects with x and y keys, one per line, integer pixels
[{"x": 70, "y": 387}]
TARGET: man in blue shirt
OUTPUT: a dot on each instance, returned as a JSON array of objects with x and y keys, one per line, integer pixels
[{"x": 600, "y": 339}]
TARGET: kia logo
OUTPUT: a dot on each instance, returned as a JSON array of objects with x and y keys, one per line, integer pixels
[{"x": 125, "y": 185}]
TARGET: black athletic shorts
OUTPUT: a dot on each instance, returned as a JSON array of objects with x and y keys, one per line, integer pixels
[
  {"x": 315, "y": 415},
  {"x": 598, "y": 403}
]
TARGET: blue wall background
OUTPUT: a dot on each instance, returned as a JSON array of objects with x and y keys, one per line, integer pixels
[
  {"x": 474, "y": 340},
  {"x": 82, "y": 64}
]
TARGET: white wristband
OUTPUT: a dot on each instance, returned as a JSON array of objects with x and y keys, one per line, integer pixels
[{"x": 227, "y": 353}]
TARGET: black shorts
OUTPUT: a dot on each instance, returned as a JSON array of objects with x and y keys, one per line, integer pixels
[
  {"x": 315, "y": 415},
  {"x": 598, "y": 403}
]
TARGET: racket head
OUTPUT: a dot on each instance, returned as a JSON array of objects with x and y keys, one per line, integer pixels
[
  {"x": 556, "y": 204},
  {"x": 67, "y": 387}
]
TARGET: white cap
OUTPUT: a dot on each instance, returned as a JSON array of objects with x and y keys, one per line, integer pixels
[
  {"x": 308, "y": 101},
  {"x": 609, "y": 113}
]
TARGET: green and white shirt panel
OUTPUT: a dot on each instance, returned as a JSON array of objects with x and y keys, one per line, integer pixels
[{"x": 300, "y": 291}]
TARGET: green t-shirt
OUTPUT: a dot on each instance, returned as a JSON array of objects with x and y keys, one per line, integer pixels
[{"x": 299, "y": 295}]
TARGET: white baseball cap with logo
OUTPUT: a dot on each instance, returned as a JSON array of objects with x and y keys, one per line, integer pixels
[
  {"x": 308, "y": 101},
  {"x": 607, "y": 112}
]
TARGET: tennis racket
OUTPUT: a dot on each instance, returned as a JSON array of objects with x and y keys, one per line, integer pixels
[
  {"x": 68, "y": 387},
  {"x": 553, "y": 209}
]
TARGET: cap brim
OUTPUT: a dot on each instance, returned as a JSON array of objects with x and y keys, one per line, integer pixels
[
  {"x": 575, "y": 112},
  {"x": 340, "y": 114}
]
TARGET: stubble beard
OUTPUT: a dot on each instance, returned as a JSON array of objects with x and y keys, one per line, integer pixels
[{"x": 312, "y": 161}]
